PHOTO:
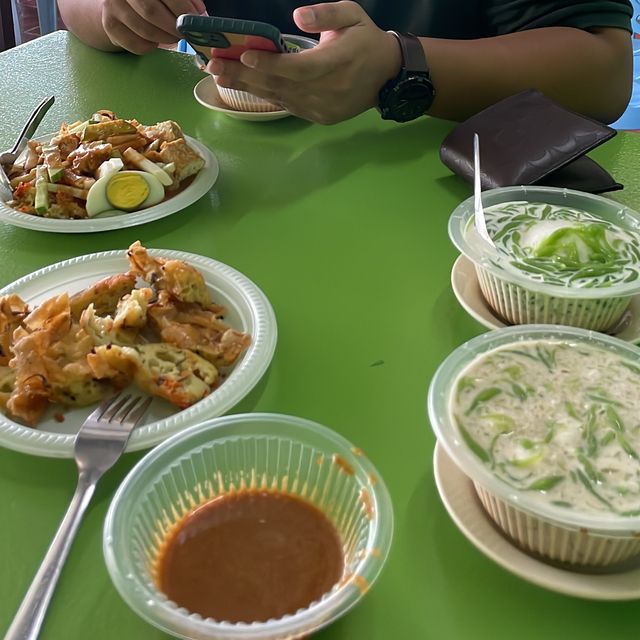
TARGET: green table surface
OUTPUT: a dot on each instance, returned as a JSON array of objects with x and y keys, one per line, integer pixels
[{"x": 345, "y": 230}]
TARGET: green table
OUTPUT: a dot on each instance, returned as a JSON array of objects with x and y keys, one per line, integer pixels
[{"x": 344, "y": 228}]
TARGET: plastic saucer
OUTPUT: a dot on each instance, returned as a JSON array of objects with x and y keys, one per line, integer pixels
[
  {"x": 460, "y": 500},
  {"x": 467, "y": 290},
  {"x": 206, "y": 93}
]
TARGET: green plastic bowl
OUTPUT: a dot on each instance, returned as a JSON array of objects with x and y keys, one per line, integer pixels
[{"x": 276, "y": 452}]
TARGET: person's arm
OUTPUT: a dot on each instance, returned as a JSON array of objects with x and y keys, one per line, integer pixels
[
  {"x": 589, "y": 72},
  {"x": 133, "y": 25}
]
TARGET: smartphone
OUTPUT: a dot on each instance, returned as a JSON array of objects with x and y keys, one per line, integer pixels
[{"x": 227, "y": 37}]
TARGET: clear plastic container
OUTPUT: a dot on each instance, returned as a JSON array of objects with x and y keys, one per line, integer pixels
[
  {"x": 229, "y": 453},
  {"x": 243, "y": 101},
  {"x": 552, "y": 532},
  {"x": 521, "y": 300}
]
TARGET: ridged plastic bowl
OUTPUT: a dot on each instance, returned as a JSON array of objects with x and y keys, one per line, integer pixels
[
  {"x": 267, "y": 451},
  {"x": 244, "y": 101},
  {"x": 570, "y": 537},
  {"x": 521, "y": 300}
]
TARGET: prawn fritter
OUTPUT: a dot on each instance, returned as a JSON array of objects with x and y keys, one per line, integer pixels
[
  {"x": 50, "y": 362},
  {"x": 13, "y": 310},
  {"x": 30, "y": 395},
  {"x": 123, "y": 328},
  {"x": 104, "y": 295},
  {"x": 42, "y": 327},
  {"x": 180, "y": 279},
  {"x": 177, "y": 375},
  {"x": 7, "y": 382},
  {"x": 189, "y": 326}
]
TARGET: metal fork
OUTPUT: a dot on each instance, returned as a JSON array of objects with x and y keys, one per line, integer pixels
[
  {"x": 9, "y": 157},
  {"x": 98, "y": 445}
]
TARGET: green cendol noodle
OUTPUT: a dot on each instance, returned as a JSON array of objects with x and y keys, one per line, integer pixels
[{"x": 563, "y": 246}]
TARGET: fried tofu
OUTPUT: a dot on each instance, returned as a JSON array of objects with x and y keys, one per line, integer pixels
[
  {"x": 186, "y": 160},
  {"x": 167, "y": 131}
]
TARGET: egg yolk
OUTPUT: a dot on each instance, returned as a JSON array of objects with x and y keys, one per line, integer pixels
[{"x": 127, "y": 192}]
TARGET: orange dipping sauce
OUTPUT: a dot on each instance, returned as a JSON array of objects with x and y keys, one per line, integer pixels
[{"x": 250, "y": 556}]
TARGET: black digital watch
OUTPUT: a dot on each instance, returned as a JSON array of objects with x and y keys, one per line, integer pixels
[{"x": 410, "y": 94}]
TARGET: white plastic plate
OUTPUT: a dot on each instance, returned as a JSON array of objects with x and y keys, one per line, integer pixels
[
  {"x": 206, "y": 93},
  {"x": 246, "y": 309},
  {"x": 201, "y": 184}
]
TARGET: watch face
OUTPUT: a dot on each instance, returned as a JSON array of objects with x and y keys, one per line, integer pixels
[
  {"x": 411, "y": 98},
  {"x": 408, "y": 99}
]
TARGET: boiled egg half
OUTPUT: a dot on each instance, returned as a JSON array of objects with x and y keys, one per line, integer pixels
[{"x": 124, "y": 191}]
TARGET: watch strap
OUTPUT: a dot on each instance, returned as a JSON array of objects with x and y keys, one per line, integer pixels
[
  {"x": 413, "y": 57},
  {"x": 410, "y": 94}
]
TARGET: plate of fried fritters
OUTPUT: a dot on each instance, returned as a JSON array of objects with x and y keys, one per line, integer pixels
[{"x": 192, "y": 332}]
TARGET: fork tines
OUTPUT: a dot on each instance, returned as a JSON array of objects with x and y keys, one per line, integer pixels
[{"x": 118, "y": 409}]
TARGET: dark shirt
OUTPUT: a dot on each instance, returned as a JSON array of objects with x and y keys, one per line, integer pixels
[{"x": 449, "y": 18}]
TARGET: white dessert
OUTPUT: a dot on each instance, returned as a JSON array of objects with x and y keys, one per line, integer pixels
[
  {"x": 558, "y": 420},
  {"x": 563, "y": 246}
]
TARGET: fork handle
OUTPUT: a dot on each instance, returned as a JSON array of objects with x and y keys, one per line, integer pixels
[{"x": 28, "y": 621}]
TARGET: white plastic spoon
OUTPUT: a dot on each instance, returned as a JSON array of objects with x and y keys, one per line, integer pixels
[{"x": 481, "y": 224}]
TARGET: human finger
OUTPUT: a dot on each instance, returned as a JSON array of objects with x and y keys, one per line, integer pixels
[
  {"x": 121, "y": 36},
  {"x": 234, "y": 75},
  {"x": 178, "y": 7},
  {"x": 304, "y": 65},
  {"x": 329, "y": 16},
  {"x": 309, "y": 106},
  {"x": 152, "y": 15}
]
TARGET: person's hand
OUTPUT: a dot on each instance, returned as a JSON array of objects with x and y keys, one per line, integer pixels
[
  {"x": 336, "y": 80},
  {"x": 140, "y": 25}
]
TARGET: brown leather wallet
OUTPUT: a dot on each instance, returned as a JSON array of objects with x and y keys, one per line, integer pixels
[{"x": 529, "y": 139}]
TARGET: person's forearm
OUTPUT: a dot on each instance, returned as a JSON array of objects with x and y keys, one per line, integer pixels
[
  {"x": 84, "y": 19},
  {"x": 587, "y": 72}
]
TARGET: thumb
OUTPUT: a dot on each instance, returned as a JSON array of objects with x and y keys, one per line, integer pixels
[{"x": 328, "y": 16}]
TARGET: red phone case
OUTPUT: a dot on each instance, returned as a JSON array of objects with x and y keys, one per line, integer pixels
[{"x": 241, "y": 43}]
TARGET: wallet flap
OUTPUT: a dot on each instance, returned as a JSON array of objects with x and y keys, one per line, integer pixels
[{"x": 582, "y": 174}]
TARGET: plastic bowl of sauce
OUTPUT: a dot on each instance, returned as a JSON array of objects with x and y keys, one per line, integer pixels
[
  {"x": 544, "y": 420},
  {"x": 248, "y": 526},
  {"x": 560, "y": 256}
]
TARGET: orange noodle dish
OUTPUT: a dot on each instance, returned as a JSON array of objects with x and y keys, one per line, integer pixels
[
  {"x": 103, "y": 166},
  {"x": 167, "y": 337}
]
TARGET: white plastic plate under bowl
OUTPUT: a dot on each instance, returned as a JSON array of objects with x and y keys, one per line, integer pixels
[
  {"x": 206, "y": 93},
  {"x": 466, "y": 288},
  {"x": 460, "y": 500}
]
